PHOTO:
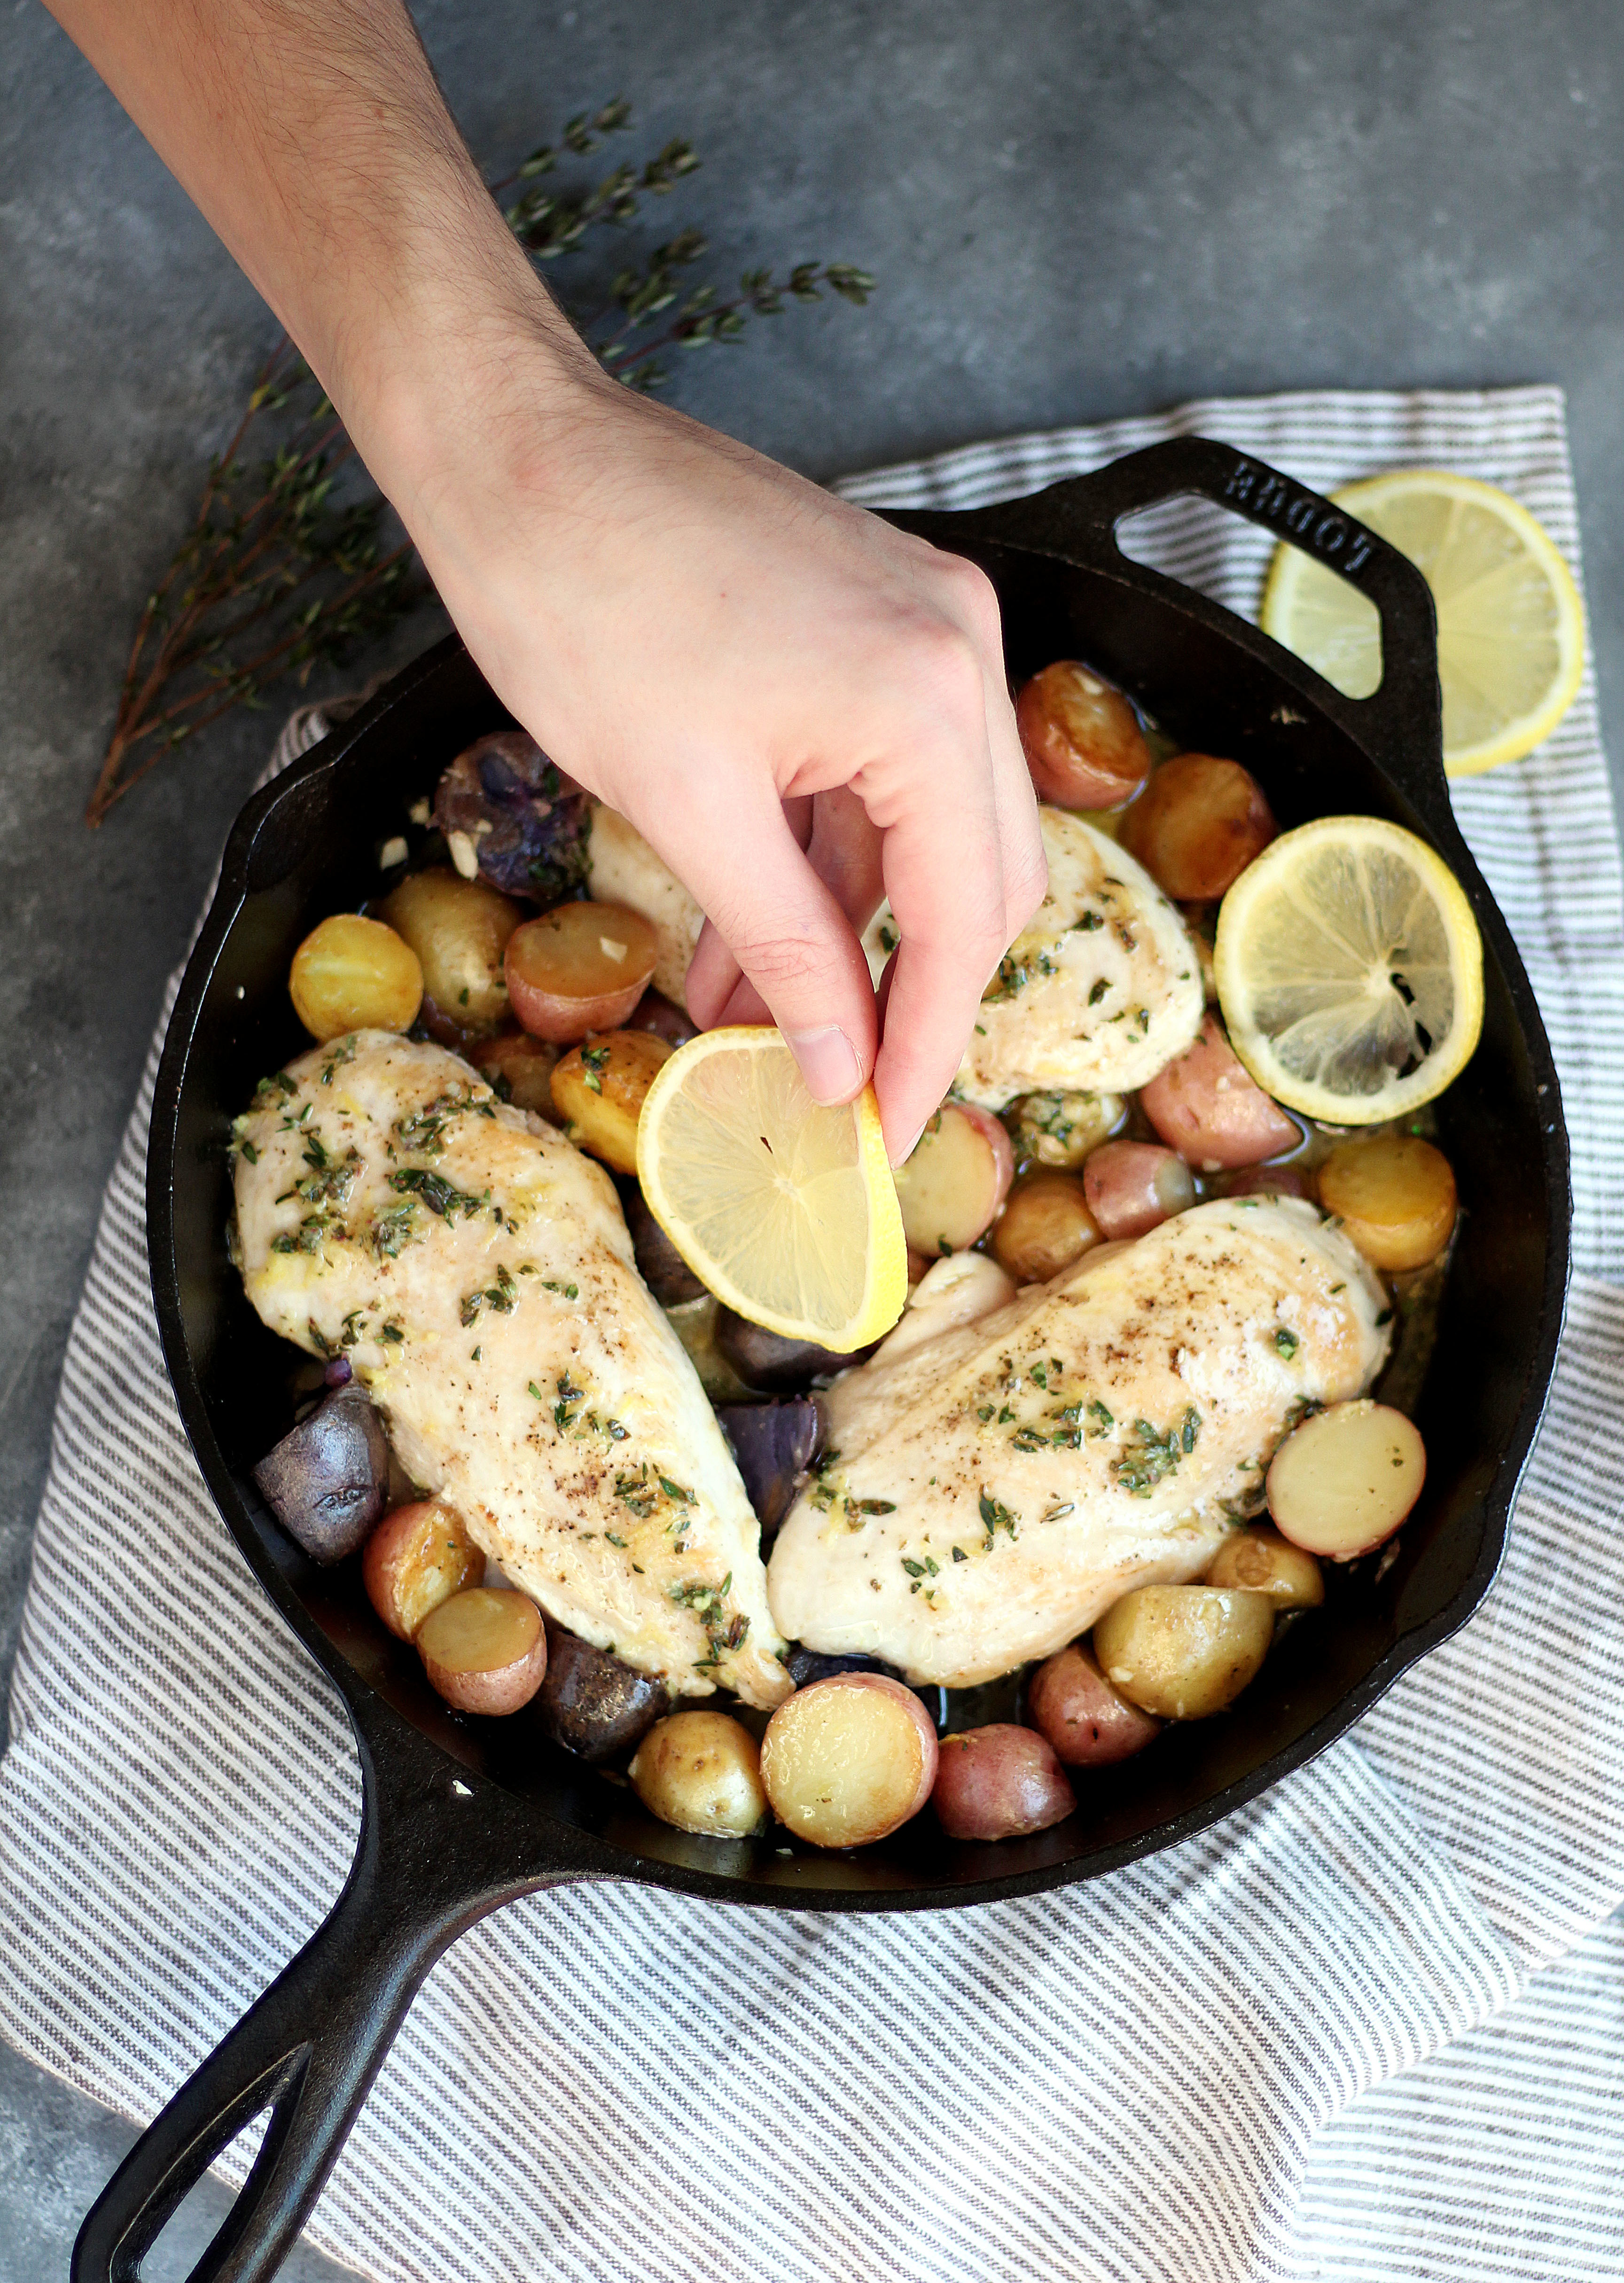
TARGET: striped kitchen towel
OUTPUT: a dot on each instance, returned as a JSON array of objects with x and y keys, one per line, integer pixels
[{"x": 1366, "y": 2028}]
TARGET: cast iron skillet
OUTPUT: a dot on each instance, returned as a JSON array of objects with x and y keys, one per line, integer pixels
[{"x": 460, "y": 1815}]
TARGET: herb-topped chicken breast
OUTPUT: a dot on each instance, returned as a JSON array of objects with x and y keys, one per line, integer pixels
[
  {"x": 986, "y": 1494},
  {"x": 477, "y": 1270}
]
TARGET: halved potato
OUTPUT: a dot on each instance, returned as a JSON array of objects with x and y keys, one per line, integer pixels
[
  {"x": 1184, "y": 1652},
  {"x": 598, "y": 1090},
  {"x": 1344, "y": 1480},
  {"x": 849, "y": 1759},
  {"x": 956, "y": 1179},
  {"x": 459, "y": 929},
  {"x": 416, "y": 1558},
  {"x": 1263, "y": 1562},
  {"x": 354, "y": 974},
  {"x": 578, "y": 968},
  {"x": 1394, "y": 1195},
  {"x": 484, "y": 1650}
]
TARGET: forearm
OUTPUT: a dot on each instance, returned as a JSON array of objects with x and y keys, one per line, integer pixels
[{"x": 311, "y": 133}]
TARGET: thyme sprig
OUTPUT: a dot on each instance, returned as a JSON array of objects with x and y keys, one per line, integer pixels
[{"x": 292, "y": 562}]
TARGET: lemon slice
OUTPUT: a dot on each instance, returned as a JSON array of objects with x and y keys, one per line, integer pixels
[
  {"x": 786, "y": 1210},
  {"x": 1350, "y": 970},
  {"x": 1511, "y": 625}
]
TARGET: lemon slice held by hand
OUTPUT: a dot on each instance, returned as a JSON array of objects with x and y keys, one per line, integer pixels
[
  {"x": 1510, "y": 624},
  {"x": 786, "y": 1210},
  {"x": 1350, "y": 970}
]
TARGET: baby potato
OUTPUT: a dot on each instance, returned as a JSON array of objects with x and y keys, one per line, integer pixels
[
  {"x": 521, "y": 1068},
  {"x": 1133, "y": 1186},
  {"x": 659, "y": 1264},
  {"x": 1184, "y": 1652},
  {"x": 1061, "y": 1129},
  {"x": 1070, "y": 1701},
  {"x": 578, "y": 968},
  {"x": 701, "y": 1771},
  {"x": 1000, "y": 1782},
  {"x": 1207, "y": 1106},
  {"x": 459, "y": 929},
  {"x": 1395, "y": 1196},
  {"x": 1344, "y": 1480},
  {"x": 327, "y": 1479},
  {"x": 848, "y": 1760},
  {"x": 593, "y": 1704},
  {"x": 484, "y": 1650},
  {"x": 1082, "y": 738},
  {"x": 951, "y": 1188},
  {"x": 354, "y": 974},
  {"x": 772, "y": 1363},
  {"x": 1197, "y": 825},
  {"x": 416, "y": 1558},
  {"x": 1262, "y": 1561},
  {"x": 1045, "y": 1225},
  {"x": 598, "y": 1090}
]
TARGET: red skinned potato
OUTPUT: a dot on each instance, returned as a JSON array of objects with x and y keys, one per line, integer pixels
[
  {"x": 1133, "y": 1186},
  {"x": 951, "y": 1188},
  {"x": 1070, "y": 1701},
  {"x": 1197, "y": 825},
  {"x": 416, "y": 1558},
  {"x": 1000, "y": 1782},
  {"x": 1270, "y": 1181},
  {"x": 1044, "y": 1227},
  {"x": 578, "y": 968},
  {"x": 1082, "y": 738},
  {"x": 484, "y": 1650},
  {"x": 849, "y": 1759},
  {"x": 1207, "y": 1106},
  {"x": 1343, "y": 1481}
]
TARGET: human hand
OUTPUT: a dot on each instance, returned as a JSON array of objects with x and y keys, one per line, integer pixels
[{"x": 800, "y": 708}]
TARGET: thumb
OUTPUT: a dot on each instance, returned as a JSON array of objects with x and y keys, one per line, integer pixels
[{"x": 782, "y": 926}]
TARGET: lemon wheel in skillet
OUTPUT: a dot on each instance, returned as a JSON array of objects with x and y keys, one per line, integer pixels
[{"x": 1350, "y": 970}]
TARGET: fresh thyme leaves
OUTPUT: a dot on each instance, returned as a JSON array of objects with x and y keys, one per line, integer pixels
[
  {"x": 568, "y": 1292},
  {"x": 290, "y": 564},
  {"x": 441, "y": 1196},
  {"x": 874, "y": 1505},
  {"x": 311, "y": 1233},
  {"x": 267, "y": 1091},
  {"x": 1098, "y": 991},
  {"x": 594, "y": 1058},
  {"x": 1287, "y": 1344},
  {"x": 1386, "y": 1317},
  {"x": 392, "y": 1332},
  {"x": 1059, "y": 1512},
  {"x": 995, "y": 1517},
  {"x": 1101, "y": 1417},
  {"x": 500, "y": 1295},
  {"x": 425, "y": 1130},
  {"x": 392, "y": 1229},
  {"x": 723, "y": 1634},
  {"x": 1087, "y": 922},
  {"x": 1154, "y": 1454},
  {"x": 343, "y": 1051},
  {"x": 249, "y": 1151}
]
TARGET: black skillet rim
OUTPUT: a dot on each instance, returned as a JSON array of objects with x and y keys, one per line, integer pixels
[{"x": 536, "y": 1846}]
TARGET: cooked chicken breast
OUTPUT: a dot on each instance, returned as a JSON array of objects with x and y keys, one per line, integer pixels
[
  {"x": 622, "y": 869},
  {"x": 986, "y": 1494},
  {"x": 1096, "y": 995},
  {"x": 476, "y": 1268}
]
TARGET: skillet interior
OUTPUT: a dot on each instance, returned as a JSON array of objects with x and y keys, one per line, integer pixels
[{"x": 308, "y": 846}]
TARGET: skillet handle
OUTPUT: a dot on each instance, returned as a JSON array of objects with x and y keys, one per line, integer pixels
[
  {"x": 309, "y": 2048},
  {"x": 1077, "y": 519}
]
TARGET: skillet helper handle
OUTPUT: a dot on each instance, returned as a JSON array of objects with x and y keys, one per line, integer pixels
[
  {"x": 308, "y": 2050},
  {"x": 1078, "y": 520}
]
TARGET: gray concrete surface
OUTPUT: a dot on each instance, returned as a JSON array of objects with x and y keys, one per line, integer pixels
[{"x": 1074, "y": 210}]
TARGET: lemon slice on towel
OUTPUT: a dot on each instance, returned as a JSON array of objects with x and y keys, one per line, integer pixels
[
  {"x": 786, "y": 1210},
  {"x": 1511, "y": 625}
]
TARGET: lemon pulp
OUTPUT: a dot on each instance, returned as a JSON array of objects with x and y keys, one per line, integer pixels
[{"x": 786, "y": 1210}]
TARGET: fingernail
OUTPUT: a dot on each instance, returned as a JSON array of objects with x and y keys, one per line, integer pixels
[
  {"x": 828, "y": 1062},
  {"x": 901, "y": 1156}
]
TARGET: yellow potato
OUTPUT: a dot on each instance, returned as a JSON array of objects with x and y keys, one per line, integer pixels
[
  {"x": 1262, "y": 1561},
  {"x": 701, "y": 1771},
  {"x": 1184, "y": 1652},
  {"x": 459, "y": 929},
  {"x": 1394, "y": 1195},
  {"x": 847, "y": 1760},
  {"x": 1045, "y": 1225},
  {"x": 1344, "y": 1480},
  {"x": 598, "y": 1090},
  {"x": 354, "y": 974}
]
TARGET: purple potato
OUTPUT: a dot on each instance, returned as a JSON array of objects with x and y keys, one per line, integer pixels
[
  {"x": 328, "y": 1481},
  {"x": 592, "y": 1704},
  {"x": 527, "y": 821},
  {"x": 659, "y": 1264},
  {"x": 764, "y": 1360},
  {"x": 805, "y": 1665},
  {"x": 337, "y": 1372},
  {"x": 657, "y": 1013},
  {"x": 774, "y": 1444}
]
